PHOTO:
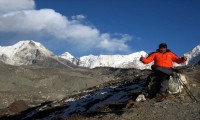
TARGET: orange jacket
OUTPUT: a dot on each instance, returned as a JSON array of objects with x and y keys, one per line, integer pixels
[{"x": 162, "y": 59}]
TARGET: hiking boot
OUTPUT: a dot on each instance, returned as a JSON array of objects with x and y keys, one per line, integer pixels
[{"x": 160, "y": 97}]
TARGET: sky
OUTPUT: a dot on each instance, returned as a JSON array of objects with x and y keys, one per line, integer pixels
[{"x": 84, "y": 27}]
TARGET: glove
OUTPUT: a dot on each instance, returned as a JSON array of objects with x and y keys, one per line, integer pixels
[
  {"x": 184, "y": 58},
  {"x": 141, "y": 58}
]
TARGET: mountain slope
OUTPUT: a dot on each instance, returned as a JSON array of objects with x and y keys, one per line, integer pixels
[
  {"x": 116, "y": 100},
  {"x": 36, "y": 84},
  {"x": 193, "y": 56}
]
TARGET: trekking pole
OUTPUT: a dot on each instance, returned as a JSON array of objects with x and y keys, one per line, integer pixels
[{"x": 187, "y": 89}]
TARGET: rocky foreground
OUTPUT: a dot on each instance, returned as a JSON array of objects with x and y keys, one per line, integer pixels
[
  {"x": 114, "y": 100},
  {"x": 37, "y": 84}
]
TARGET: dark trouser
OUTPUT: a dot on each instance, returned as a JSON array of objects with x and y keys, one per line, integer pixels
[
  {"x": 163, "y": 75},
  {"x": 158, "y": 69}
]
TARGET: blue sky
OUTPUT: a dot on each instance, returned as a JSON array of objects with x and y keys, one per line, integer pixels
[{"x": 84, "y": 27}]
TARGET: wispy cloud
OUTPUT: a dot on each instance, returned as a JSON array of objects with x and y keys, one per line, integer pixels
[
  {"x": 78, "y": 17},
  {"x": 114, "y": 44},
  {"x": 21, "y": 18}
]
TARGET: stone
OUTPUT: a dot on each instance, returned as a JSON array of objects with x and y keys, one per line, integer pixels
[{"x": 18, "y": 106}]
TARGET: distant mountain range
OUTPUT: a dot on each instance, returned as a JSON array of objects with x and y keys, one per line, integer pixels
[
  {"x": 117, "y": 61},
  {"x": 29, "y": 52}
]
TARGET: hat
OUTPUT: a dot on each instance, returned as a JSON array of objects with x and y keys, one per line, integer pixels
[{"x": 163, "y": 45}]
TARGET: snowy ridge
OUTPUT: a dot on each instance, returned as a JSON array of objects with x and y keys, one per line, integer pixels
[
  {"x": 116, "y": 61},
  {"x": 193, "y": 56},
  {"x": 131, "y": 60}
]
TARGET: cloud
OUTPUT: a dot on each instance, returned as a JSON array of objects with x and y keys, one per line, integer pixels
[
  {"x": 33, "y": 21},
  {"x": 23, "y": 19},
  {"x": 78, "y": 17},
  {"x": 14, "y": 5},
  {"x": 114, "y": 44}
]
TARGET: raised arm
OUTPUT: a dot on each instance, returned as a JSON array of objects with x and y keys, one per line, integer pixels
[{"x": 178, "y": 60}]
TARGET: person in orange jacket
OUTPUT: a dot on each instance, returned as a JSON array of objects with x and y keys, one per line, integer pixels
[{"x": 163, "y": 67}]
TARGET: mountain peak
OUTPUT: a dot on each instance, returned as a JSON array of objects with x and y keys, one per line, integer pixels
[
  {"x": 30, "y": 43},
  {"x": 193, "y": 55},
  {"x": 196, "y": 50},
  {"x": 67, "y": 54},
  {"x": 23, "y": 52},
  {"x": 23, "y": 42}
]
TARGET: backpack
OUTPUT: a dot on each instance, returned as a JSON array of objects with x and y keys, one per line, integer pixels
[
  {"x": 175, "y": 86},
  {"x": 153, "y": 85}
]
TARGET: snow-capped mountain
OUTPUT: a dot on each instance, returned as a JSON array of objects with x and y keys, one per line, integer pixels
[
  {"x": 23, "y": 53},
  {"x": 67, "y": 56},
  {"x": 28, "y": 52},
  {"x": 117, "y": 61},
  {"x": 126, "y": 61},
  {"x": 193, "y": 56},
  {"x": 70, "y": 57}
]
